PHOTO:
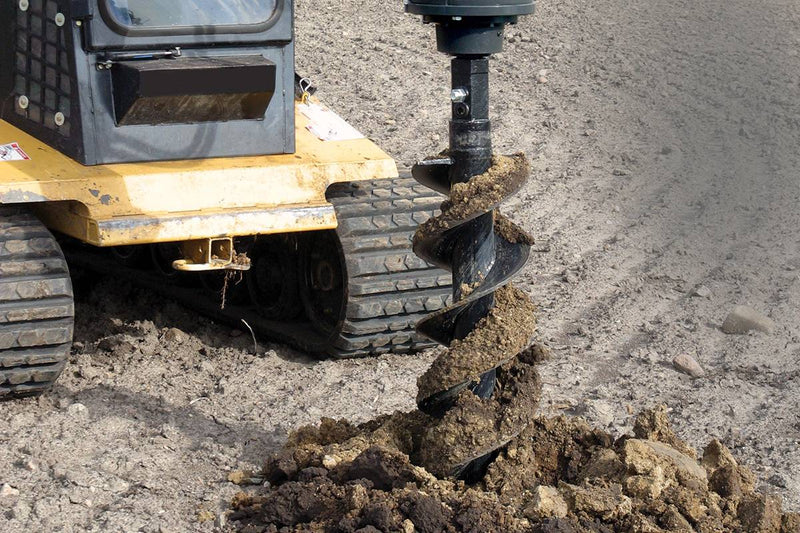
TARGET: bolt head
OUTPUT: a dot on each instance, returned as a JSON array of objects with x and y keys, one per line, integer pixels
[
  {"x": 459, "y": 95},
  {"x": 23, "y": 102}
]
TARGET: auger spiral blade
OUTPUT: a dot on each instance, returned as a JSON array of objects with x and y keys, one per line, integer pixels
[{"x": 470, "y": 388}]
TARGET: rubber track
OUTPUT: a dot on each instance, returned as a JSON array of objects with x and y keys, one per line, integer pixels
[
  {"x": 389, "y": 287},
  {"x": 36, "y": 305}
]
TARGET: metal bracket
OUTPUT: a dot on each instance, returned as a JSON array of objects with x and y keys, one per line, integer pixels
[{"x": 202, "y": 255}]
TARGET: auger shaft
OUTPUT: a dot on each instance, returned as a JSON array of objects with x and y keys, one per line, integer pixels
[
  {"x": 471, "y": 153},
  {"x": 464, "y": 239}
]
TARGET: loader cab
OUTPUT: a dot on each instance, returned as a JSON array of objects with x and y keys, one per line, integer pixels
[{"x": 114, "y": 81}]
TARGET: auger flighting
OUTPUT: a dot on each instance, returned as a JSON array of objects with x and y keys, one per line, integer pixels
[{"x": 489, "y": 322}]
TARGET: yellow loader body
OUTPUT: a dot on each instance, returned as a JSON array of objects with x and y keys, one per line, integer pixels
[{"x": 141, "y": 203}]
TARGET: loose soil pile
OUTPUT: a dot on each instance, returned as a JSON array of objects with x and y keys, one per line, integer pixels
[{"x": 559, "y": 475}]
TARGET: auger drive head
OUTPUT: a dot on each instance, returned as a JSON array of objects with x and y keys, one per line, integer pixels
[{"x": 464, "y": 238}]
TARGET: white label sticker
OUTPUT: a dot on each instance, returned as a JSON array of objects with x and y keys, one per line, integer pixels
[
  {"x": 12, "y": 152},
  {"x": 327, "y": 125}
]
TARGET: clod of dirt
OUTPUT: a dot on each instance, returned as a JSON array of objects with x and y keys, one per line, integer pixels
[
  {"x": 474, "y": 427},
  {"x": 479, "y": 195},
  {"x": 494, "y": 341},
  {"x": 558, "y": 475},
  {"x": 510, "y": 231}
]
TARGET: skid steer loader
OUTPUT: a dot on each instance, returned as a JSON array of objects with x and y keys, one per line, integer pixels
[{"x": 172, "y": 143}]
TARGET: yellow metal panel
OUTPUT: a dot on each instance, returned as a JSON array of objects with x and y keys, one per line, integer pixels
[{"x": 178, "y": 200}]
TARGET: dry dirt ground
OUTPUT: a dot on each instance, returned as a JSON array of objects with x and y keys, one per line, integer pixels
[{"x": 663, "y": 136}]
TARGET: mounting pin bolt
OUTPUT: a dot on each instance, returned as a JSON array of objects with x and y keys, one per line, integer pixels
[
  {"x": 60, "y": 19},
  {"x": 23, "y": 102},
  {"x": 59, "y": 119},
  {"x": 24, "y": 5},
  {"x": 459, "y": 95}
]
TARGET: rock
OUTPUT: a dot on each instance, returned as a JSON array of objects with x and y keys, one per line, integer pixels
[
  {"x": 21, "y": 511},
  {"x": 408, "y": 526},
  {"x": 597, "y": 411},
  {"x": 716, "y": 455},
  {"x": 547, "y": 502},
  {"x": 239, "y": 477},
  {"x": 743, "y": 319},
  {"x": 7, "y": 491},
  {"x": 687, "y": 364},
  {"x": 760, "y": 514},
  {"x": 330, "y": 462},
  {"x": 173, "y": 335},
  {"x": 606, "y": 502},
  {"x": 701, "y": 291},
  {"x": 77, "y": 409},
  {"x": 643, "y": 457}
]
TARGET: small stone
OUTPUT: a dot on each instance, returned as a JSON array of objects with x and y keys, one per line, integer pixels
[
  {"x": 701, "y": 291},
  {"x": 7, "y": 491},
  {"x": 744, "y": 318},
  {"x": 778, "y": 480},
  {"x": 687, "y": 364},
  {"x": 207, "y": 367},
  {"x": 173, "y": 335},
  {"x": 239, "y": 477},
  {"x": 77, "y": 409},
  {"x": 221, "y": 521},
  {"x": 330, "y": 462},
  {"x": 541, "y": 76},
  {"x": 87, "y": 371},
  {"x": 21, "y": 511},
  {"x": 597, "y": 411},
  {"x": 408, "y": 526},
  {"x": 547, "y": 502}
]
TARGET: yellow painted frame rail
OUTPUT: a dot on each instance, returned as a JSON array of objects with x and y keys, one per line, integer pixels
[{"x": 138, "y": 203}]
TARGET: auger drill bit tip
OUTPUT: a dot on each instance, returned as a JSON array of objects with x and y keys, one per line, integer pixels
[{"x": 481, "y": 255}]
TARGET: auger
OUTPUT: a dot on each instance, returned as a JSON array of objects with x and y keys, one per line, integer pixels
[{"x": 470, "y": 238}]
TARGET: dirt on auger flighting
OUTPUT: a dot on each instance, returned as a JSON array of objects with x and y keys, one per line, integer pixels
[{"x": 559, "y": 475}]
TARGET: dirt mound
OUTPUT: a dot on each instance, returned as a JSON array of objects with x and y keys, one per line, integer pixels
[{"x": 558, "y": 475}]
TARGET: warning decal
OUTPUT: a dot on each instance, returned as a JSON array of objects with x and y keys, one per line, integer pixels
[
  {"x": 327, "y": 125},
  {"x": 12, "y": 152}
]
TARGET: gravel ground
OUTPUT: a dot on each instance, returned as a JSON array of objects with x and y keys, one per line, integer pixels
[{"x": 663, "y": 138}]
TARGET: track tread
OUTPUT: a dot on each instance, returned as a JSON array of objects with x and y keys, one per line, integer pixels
[
  {"x": 36, "y": 305},
  {"x": 390, "y": 288}
]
